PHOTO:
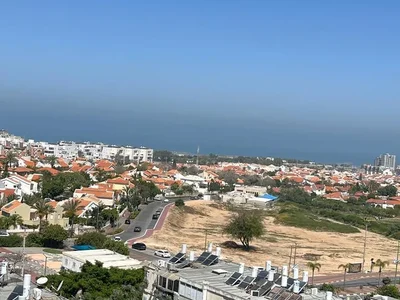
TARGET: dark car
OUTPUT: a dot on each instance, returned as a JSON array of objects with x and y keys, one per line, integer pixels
[
  {"x": 127, "y": 221},
  {"x": 155, "y": 216},
  {"x": 139, "y": 246},
  {"x": 137, "y": 229}
]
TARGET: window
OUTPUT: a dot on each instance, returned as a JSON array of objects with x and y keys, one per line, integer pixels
[
  {"x": 170, "y": 285},
  {"x": 73, "y": 265},
  {"x": 162, "y": 281},
  {"x": 176, "y": 286}
]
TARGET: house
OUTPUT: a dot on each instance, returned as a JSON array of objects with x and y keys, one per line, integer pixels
[
  {"x": 105, "y": 196},
  {"x": 118, "y": 184},
  {"x": 383, "y": 203},
  {"x": 335, "y": 196},
  {"x": 16, "y": 208},
  {"x": 29, "y": 214},
  {"x": 21, "y": 185}
]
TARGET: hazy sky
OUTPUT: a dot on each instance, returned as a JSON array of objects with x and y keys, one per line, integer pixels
[{"x": 304, "y": 79}]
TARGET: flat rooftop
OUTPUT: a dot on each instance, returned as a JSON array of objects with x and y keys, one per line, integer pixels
[{"x": 107, "y": 257}]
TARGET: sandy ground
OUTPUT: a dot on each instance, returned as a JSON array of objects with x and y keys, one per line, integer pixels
[
  {"x": 51, "y": 263},
  {"x": 334, "y": 248}
]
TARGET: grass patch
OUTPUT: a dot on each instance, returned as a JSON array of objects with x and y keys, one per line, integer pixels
[
  {"x": 52, "y": 251},
  {"x": 292, "y": 215},
  {"x": 270, "y": 239}
]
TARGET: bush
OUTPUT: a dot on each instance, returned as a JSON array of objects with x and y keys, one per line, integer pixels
[
  {"x": 34, "y": 240},
  {"x": 116, "y": 231},
  {"x": 12, "y": 240},
  {"x": 100, "y": 241},
  {"x": 134, "y": 214},
  {"x": 328, "y": 288},
  {"x": 54, "y": 236},
  {"x": 389, "y": 290},
  {"x": 179, "y": 203}
]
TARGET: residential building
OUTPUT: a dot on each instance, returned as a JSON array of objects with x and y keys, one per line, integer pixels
[
  {"x": 21, "y": 185},
  {"x": 386, "y": 161},
  {"x": 209, "y": 278},
  {"x": 29, "y": 214},
  {"x": 106, "y": 197},
  {"x": 73, "y": 260},
  {"x": 253, "y": 190}
]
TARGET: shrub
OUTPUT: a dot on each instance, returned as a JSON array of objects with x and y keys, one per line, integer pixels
[
  {"x": 179, "y": 203},
  {"x": 12, "y": 240},
  {"x": 34, "y": 240},
  {"x": 100, "y": 241},
  {"x": 134, "y": 214},
  {"x": 327, "y": 288},
  {"x": 118, "y": 230},
  {"x": 389, "y": 290}
]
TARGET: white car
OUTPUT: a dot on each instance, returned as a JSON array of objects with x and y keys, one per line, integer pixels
[
  {"x": 162, "y": 253},
  {"x": 166, "y": 200},
  {"x": 117, "y": 238}
]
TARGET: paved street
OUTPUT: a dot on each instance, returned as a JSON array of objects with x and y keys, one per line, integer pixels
[{"x": 144, "y": 220}]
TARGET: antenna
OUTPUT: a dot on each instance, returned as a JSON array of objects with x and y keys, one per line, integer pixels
[{"x": 197, "y": 156}]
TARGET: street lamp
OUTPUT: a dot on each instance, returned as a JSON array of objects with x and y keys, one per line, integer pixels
[{"x": 45, "y": 264}]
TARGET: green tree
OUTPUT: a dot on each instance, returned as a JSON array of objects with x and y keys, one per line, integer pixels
[
  {"x": 388, "y": 190},
  {"x": 53, "y": 236},
  {"x": 246, "y": 226},
  {"x": 388, "y": 290},
  {"x": 98, "y": 283},
  {"x": 51, "y": 160},
  {"x": 15, "y": 220},
  {"x": 116, "y": 246},
  {"x": 95, "y": 239},
  {"x": 4, "y": 223},
  {"x": 8, "y": 162},
  {"x": 70, "y": 209},
  {"x": 381, "y": 264},
  {"x": 313, "y": 266},
  {"x": 345, "y": 268},
  {"x": 110, "y": 215},
  {"x": 179, "y": 203},
  {"x": 43, "y": 208}
]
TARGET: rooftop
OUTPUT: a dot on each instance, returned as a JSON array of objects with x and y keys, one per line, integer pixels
[{"x": 107, "y": 257}]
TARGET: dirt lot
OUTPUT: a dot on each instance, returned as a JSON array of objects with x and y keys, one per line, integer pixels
[{"x": 334, "y": 248}]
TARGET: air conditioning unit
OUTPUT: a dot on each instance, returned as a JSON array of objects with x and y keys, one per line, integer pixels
[
  {"x": 162, "y": 263},
  {"x": 255, "y": 293}
]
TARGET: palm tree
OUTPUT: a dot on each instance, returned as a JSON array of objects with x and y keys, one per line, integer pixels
[
  {"x": 52, "y": 160},
  {"x": 313, "y": 266},
  {"x": 381, "y": 264},
  {"x": 345, "y": 268},
  {"x": 42, "y": 209},
  {"x": 70, "y": 209},
  {"x": 15, "y": 220},
  {"x": 8, "y": 161}
]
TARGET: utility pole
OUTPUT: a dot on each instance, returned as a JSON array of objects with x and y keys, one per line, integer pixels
[
  {"x": 295, "y": 251},
  {"x": 290, "y": 257},
  {"x": 397, "y": 262},
  {"x": 23, "y": 255},
  {"x": 365, "y": 245},
  {"x": 205, "y": 240}
]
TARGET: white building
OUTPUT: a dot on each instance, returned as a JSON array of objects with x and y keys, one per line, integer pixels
[
  {"x": 20, "y": 184},
  {"x": 73, "y": 260}
]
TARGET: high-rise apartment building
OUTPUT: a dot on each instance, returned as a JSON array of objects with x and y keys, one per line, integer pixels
[{"x": 386, "y": 161}]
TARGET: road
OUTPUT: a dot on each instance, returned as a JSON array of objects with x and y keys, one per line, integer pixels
[{"x": 144, "y": 219}]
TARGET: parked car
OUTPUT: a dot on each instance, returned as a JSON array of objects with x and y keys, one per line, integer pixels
[
  {"x": 166, "y": 200},
  {"x": 155, "y": 216},
  {"x": 117, "y": 238},
  {"x": 127, "y": 221},
  {"x": 162, "y": 253},
  {"x": 139, "y": 246},
  {"x": 137, "y": 229}
]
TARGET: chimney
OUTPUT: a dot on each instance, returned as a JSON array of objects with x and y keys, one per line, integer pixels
[
  {"x": 241, "y": 268},
  {"x": 284, "y": 276},
  {"x": 191, "y": 256},
  {"x": 305, "y": 276},
  {"x": 268, "y": 265},
  {"x": 296, "y": 287},
  {"x": 254, "y": 272},
  {"x": 209, "y": 249},
  {"x": 295, "y": 273},
  {"x": 271, "y": 275},
  {"x": 218, "y": 252},
  {"x": 184, "y": 247}
]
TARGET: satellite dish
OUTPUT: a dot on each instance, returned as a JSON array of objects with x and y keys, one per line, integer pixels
[{"x": 42, "y": 280}]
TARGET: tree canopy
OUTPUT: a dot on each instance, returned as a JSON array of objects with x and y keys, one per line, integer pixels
[
  {"x": 246, "y": 226},
  {"x": 63, "y": 184},
  {"x": 97, "y": 283},
  {"x": 99, "y": 241}
]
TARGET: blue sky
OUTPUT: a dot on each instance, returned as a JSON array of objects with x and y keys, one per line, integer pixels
[{"x": 306, "y": 79}]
